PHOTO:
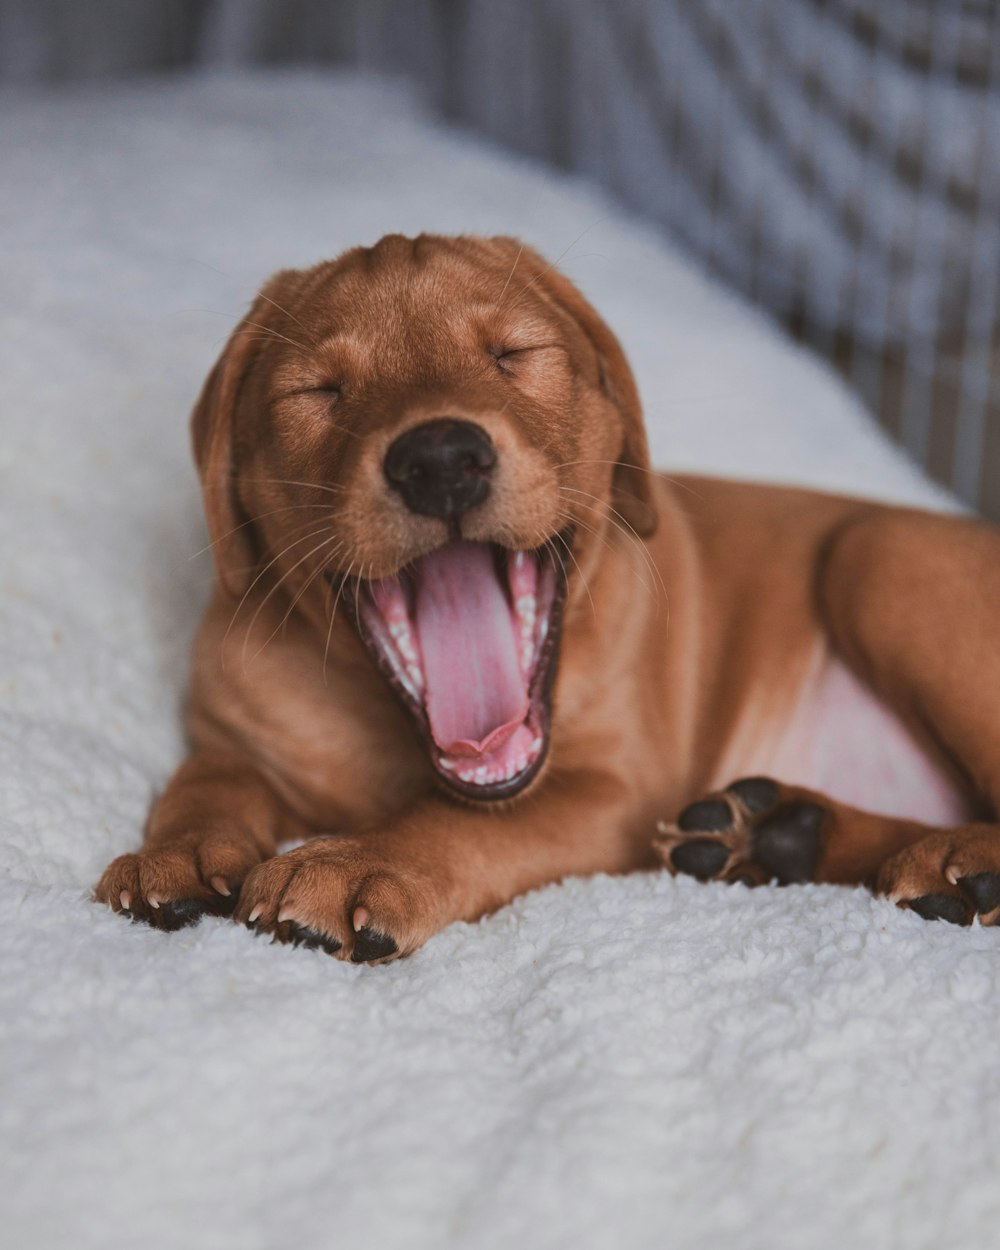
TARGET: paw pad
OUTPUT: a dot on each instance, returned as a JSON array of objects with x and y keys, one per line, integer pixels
[
  {"x": 312, "y": 939},
  {"x": 700, "y": 858},
  {"x": 706, "y": 816},
  {"x": 983, "y": 888},
  {"x": 370, "y": 944},
  {"x": 941, "y": 907},
  {"x": 746, "y": 833},
  {"x": 757, "y": 794},
  {"x": 787, "y": 844}
]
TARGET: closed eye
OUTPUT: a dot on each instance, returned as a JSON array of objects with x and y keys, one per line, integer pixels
[
  {"x": 507, "y": 357},
  {"x": 332, "y": 390}
]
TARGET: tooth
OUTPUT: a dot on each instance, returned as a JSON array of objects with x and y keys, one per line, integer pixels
[
  {"x": 391, "y": 606},
  {"x": 522, "y": 574},
  {"x": 387, "y": 594}
]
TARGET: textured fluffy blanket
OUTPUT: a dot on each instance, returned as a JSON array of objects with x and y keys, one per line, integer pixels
[{"x": 641, "y": 1062}]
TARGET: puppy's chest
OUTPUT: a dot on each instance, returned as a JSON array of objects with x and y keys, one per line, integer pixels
[{"x": 840, "y": 739}]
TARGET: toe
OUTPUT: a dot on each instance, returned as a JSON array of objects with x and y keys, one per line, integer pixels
[
  {"x": 706, "y": 816},
  {"x": 224, "y": 862},
  {"x": 756, "y": 794},
  {"x": 262, "y": 893},
  {"x": 119, "y": 886},
  {"x": 701, "y": 857}
]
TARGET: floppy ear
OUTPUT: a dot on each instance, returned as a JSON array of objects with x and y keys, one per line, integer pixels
[
  {"x": 212, "y": 439},
  {"x": 632, "y": 484}
]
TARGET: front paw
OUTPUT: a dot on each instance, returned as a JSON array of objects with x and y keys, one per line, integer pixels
[
  {"x": 174, "y": 885},
  {"x": 368, "y": 899}
]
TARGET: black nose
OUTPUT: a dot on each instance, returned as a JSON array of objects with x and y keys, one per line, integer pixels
[{"x": 441, "y": 468}]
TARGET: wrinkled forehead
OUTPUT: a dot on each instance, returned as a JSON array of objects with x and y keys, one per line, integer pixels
[{"x": 435, "y": 290}]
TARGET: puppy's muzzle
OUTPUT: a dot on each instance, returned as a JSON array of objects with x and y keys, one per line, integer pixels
[{"x": 442, "y": 468}]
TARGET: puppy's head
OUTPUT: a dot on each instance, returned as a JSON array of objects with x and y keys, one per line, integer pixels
[{"x": 432, "y": 432}]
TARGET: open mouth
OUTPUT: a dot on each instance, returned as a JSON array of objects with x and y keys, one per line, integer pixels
[{"x": 468, "y": 637}]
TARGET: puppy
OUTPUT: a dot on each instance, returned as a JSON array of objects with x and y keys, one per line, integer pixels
[{"x": 464, "y": 642}]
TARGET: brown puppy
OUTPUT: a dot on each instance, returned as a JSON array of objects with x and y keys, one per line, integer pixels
[{"x": 464, "y": 632}]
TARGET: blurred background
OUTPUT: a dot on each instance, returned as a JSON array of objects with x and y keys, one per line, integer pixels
[{"x": 835, "y": 161}]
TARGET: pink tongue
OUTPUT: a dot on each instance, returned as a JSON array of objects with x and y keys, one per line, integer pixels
[{"x": 476, "y": 696}]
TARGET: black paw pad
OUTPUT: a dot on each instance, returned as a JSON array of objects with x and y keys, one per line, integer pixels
[
  {"x": 787, "y": 844},
  {"x": 756, "y": 794},
  {"x": 179, "y": 913},
  {"x": 701, "y": 858},
  {"x": 370, "y": 944},
  {"x": 940, "y": 907},
  {"x": 707, "y": 815},
  {"x": 313, "y": 939},
  {"x": 984, "y": 890}
]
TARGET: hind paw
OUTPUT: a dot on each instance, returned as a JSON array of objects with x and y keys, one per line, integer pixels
[{"x": 754, "y": 831}]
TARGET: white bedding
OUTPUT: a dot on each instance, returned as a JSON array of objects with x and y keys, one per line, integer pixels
[{"x": 642, "y": 1062}]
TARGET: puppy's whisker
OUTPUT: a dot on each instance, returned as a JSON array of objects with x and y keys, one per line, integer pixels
[
  {"x": 274, "y": 303},
  {"x": 333, "y": 617},
  {"x": 565, "y": 252},
  {"x": 287, "y": 481},
  {"x": 258, "y": 325},
  {"x": 520, "y": 253},
  {"x": 254, "y": 338},
  {"x": 260, "y": 337},
  {"x": 639, "y": 468},
  {"x": 602, "y": 538},
  {"x": 357, "y": 588},
  {"x": 622, "y": 525},
  {"x": 260, "y": 607},
  {"x": 323, "y": 565},
  {"x": 583, "y": 578},
  {"x": 259, "y": 517},
  {"x": 636, "y": 543},
  {"x": 249, "y": 590}
]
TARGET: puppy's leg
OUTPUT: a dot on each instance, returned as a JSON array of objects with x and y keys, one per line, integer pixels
[
  {"x": 215, "y": 821},
  {"x": 375, "y": 896},
  {"x": 759, "y": 830},
  {"x": 912, "y": 602}
]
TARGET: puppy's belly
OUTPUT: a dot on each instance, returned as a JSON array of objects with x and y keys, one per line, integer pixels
[{"x": 841, "y": 740}]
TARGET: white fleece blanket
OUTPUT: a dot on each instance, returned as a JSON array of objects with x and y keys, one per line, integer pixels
[{"x": 643, "y": 1062}]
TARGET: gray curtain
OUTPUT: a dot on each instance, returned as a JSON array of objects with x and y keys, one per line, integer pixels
[{"x": 835, "y": 160}]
